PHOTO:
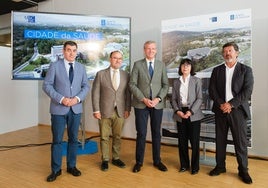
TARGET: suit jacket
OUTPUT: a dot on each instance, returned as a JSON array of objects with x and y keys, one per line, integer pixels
[
  {"x": 104, "y": 96},
  {"x": 194, "y": 100},
  {"x": 57, "y": 85},
  {"x": 242, "y": 86},
  {"x": 141, "y": 82}
]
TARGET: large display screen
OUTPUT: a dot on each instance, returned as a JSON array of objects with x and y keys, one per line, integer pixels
[{"x": 38, "y": 38}]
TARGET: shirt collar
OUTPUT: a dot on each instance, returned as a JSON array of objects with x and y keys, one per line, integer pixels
[
  {"x": 186, "y": 80},
  {"x": 112, "y": 69},
  {"x": 148, "y": 61},
  {"x": 231, "y": 67},
  {"x": 67, "y": 62}
]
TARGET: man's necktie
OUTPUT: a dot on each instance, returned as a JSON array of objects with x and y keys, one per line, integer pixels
[
  {"x": 115, "y": 79},
  {"x": 71, "y": 72},
  {"x": 151, "y": 70}
]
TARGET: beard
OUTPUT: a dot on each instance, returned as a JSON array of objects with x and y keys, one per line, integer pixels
[{"x": 229, "y": 60}]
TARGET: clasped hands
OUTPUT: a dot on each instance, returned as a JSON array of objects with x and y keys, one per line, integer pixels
[
  {"x": 150, "y": 103},
  {"x": 226, "y": 107},
  {"x": 185, "y": 115},
  {"x": 69, "y": 101}
]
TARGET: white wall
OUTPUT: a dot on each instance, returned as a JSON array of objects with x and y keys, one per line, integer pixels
[
  {"x": 19, "y": 99},
  {"x": 146, "y": 24}
]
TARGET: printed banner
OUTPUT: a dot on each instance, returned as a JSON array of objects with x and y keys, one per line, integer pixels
[{"x": 200, "y": 38}]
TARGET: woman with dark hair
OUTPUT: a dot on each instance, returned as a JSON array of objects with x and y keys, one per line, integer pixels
[{"x": 186, "y": 102}]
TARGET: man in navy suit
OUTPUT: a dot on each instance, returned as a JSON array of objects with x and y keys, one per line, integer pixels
[
  {"x": 66, "y": 84},
  {"x": 230, "y": 88},
  {"x": 149, "y": 86}
]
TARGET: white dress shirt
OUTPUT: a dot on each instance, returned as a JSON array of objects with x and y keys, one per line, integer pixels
[
  {"x": 228, "y": 85},
  {"x": 184, "y": 90}
]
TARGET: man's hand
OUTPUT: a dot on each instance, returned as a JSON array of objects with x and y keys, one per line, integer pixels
[
  {"x": 73, "y": 101},
  {"x": 97, "y": 115},
  {"x": 126, "y": 114},
  {"x": 226, "y": 107},
  {"x": 69, "y": 101},
  {"x": 150, "y": 103}
]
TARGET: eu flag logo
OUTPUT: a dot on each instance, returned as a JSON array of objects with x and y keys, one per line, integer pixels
[{"x": 30, "y": 19}]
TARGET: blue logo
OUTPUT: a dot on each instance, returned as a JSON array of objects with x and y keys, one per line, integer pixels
[
  {"x": 30, "y": 19},
  {"x": 103, "y": 22},
  {"x": 214, "y": 19},
  {"x": 232, "y": 17}
]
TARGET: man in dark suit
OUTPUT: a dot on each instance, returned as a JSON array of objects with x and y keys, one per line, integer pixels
[
  {"x": 111, "y": 103},
  {"x": 66, "y": 83},
  {"x": 230, "y": 88},
  {"x": 149, "y": 86}
]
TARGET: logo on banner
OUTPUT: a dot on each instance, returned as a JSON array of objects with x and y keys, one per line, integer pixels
[
  {"x": 30, "y": 19},
  {"x": 214, "y": 19}
]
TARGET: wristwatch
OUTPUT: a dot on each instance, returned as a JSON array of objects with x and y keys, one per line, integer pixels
[{"x": 159, "y": 98}]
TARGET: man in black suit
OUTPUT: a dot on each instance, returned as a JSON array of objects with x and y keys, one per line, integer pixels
[{"x": 230, "y": 88}]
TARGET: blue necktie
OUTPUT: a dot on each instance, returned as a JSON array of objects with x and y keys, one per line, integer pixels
[
  {"x": 151, "y": 70},
  {"x": 71, "y": 72}
]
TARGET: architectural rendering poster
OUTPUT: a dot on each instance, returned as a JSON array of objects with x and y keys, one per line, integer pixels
[
  {"x": 37, "y": 40},
  {"x": 201, "y": 38}
]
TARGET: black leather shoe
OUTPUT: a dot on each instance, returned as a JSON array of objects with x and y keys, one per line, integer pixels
[
  {"x": 53, "y": 176},
  {"x": 217, "y": 171},
  {"x": 119, "y": 163},
  {"x": 74, "y": 171},
  {"x": 137, "y": 167},
  {"x": 104, "y": 166},
  {"x": 194, "y": 172},
  {"x": 161, "y": 167},
  {"x": 183, "y": 169},
  {"x": 245, "y": 177}
]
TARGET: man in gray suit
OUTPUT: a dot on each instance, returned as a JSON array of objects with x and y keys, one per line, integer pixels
[
  {"x": 111, "y": 105},
  {"x": 149, "y": 86},
  {"x": 66, "y": 83}
]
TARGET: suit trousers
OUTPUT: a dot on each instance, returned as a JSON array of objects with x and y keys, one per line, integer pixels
[
  {"x": 141, "y": 120},
  {"x": 237, "y": 123},
  {"x": 59, "y": 122},
  {"x": 113, "y": 125},
  {"x": 188, "y": 130}
]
